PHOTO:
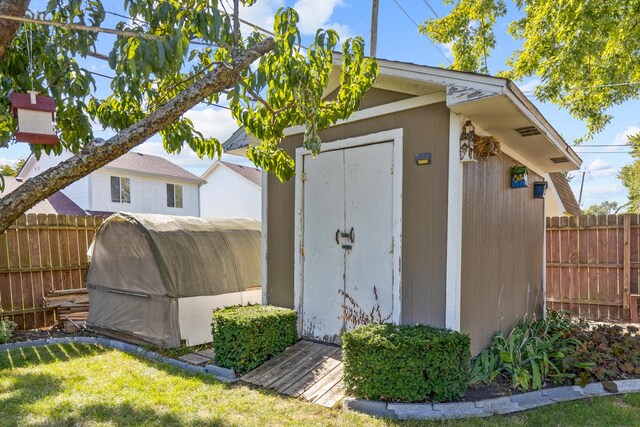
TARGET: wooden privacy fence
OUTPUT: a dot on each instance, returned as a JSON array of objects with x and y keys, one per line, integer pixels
[
  {"x": 592, "y": 264},
  {"x": 39, "y": 254}
]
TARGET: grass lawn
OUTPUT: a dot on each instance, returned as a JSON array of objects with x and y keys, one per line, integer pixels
[{"x": 88, "y": 385}]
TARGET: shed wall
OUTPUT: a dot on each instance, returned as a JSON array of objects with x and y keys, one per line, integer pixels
[
  {"x": 502, "y": 248},
  {"x": 424, "y": 210}
]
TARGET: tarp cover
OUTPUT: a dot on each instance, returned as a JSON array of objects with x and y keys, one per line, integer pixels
[{"x": 175, "y": 256}]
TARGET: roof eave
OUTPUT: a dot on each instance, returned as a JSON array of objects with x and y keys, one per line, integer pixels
[{"x": 138, "y": 172}]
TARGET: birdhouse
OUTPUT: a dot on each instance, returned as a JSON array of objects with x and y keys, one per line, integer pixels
[{"x": 36, "y": 116}]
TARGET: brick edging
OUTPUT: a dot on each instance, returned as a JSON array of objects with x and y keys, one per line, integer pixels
[
  {"x": 488, "y": 407},
  {"x": 222, "y": 374}
]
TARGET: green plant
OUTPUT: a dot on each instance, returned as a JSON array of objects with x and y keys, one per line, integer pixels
[
  {"x": 6, "y": 329},
  {"x": 534, "y": 352},
  {"x": 244, "y": 337},
  {"x": 405, "y": 363}
]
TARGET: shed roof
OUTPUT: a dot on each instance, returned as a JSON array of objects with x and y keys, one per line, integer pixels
[{"x": 568, "y": 199}]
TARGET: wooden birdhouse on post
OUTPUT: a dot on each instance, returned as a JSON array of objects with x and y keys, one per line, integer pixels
[{"x": 36, "y": 117}]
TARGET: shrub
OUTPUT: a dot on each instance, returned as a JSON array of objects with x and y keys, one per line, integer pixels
[
  {"x": 246, "y": 336},
  {"x": 405, "y": 363},
  {"x": 535, "y": 351},
  {"x": 6, "y": 329},
  {"x": 608, "y": 353}
]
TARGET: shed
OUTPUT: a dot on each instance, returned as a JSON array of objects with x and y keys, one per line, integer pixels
[
  {"x": 157, "y": 278},
  {"x": 388, "y": 214}
]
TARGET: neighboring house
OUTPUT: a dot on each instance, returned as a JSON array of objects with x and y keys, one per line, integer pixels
[
  {"x": 58, "y": 203},
  {"x": 238, "y": 142},
  {"x": 134, "y": 182},
  {"x": 442, "y": 243},
  {"x": 560, "y": 200},
  {"x": 231, "y": 191}
]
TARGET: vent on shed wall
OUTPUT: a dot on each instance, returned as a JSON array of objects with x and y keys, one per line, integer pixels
[
  {"x": 528, "y": 131},
  {"x": 559, "y": 159}
]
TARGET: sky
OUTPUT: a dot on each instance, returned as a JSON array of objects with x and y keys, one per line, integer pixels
[{"x": 398, "y": 39}]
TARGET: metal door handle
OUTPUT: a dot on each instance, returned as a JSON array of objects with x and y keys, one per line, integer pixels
[
  {"x": 351, "y": 235},
  {"x": 337, "y": 236}
]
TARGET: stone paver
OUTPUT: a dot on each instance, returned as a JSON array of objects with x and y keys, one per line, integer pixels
[
  {"x": 406, "y": 411},
  {"x": 533, "y": 399},
  {"x": 563, "y": 394},
  {"x": 194, "y": 359},
  {"x": 625, "y": 386},
  {"x": 371, "y": 407},
  {"x": 594, "y": 389},
  {"x": 208, "y": 353},
  {"x": 460, "y": 410},
  {"x": 498, "y": 405}
]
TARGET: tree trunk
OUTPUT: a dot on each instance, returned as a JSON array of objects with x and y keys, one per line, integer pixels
[
  {"x": 8, "y": 28},
  {"x": 100, "y": 152}
]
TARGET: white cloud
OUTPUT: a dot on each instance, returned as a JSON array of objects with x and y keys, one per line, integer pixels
[
  {"x": 530, "y": 86},
  {"x": 10, "y": 162},
  {"x": 608, "y": 191},
  {"x": 260, "y": 14},
  {"x": 315, "y": 14},
  {"x": 622, "y": 139},
  {"x": 213, "y": 122},
  {"x": 447, "y": 49},
  {"x": 601, "y": 169}
]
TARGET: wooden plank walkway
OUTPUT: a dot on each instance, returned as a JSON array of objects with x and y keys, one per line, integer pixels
[{"x": 307, "y": 370}]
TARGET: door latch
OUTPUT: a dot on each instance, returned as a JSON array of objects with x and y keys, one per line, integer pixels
[{"x": 350, "y": 235}]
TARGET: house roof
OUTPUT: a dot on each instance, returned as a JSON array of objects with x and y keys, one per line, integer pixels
[
  {"x": 58, "y": 203},
  {"x": 151, "y": 165},
  {"x": 238, "y": 141},
  {"x": 568, "y": 199},
  {"x": 252, "y": 174}
]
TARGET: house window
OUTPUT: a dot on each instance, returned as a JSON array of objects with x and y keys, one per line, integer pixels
[
  {"x": 174, "y": 196},
  {"x": 120, "y": 190}
]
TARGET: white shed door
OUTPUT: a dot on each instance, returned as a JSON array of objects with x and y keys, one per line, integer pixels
[{"x": 347, "y": 237}]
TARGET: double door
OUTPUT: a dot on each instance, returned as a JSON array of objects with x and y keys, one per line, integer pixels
[{"x": 347, "y": 240}]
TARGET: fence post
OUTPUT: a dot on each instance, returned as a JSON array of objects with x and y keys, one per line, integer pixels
[{"x": 626, "y": 267}]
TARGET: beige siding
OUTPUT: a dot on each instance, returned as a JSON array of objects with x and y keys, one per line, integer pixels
[
  {"x": 424, "y": 223},
  {"x": 502, "y": 244}
]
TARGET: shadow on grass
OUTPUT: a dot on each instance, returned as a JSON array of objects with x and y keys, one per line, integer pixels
[
  {"x": 125, "y": 414},
  {"x": 25, "y": 357},
  {"x": 19, "y": 390}
]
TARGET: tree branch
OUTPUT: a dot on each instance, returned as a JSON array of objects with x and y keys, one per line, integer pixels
[
  {"x": 100, "y": 152},
  {"x": 9, "y": 28}
]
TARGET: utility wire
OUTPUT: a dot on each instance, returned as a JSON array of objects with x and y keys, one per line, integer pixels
[
  {"x": 418, "y": 26},
  {"x": 531, "y": 92},
  {"x": 431, "y": 8}
]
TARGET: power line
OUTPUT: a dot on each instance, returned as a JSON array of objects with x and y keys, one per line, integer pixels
[
  {"x": 431, "y": 8},
  {"x": 593, "y": 87},
  {"x": 418, "y": 26},
  {"x": 604, "y": 152}
]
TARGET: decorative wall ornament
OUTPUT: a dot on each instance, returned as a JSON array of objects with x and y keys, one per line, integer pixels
[
  {"x": 467, "y": 143},
  {"x": 519, "y": 177}
]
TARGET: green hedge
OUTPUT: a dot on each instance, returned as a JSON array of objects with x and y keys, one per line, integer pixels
[
  {"x": 245, "y": 337},
  {"x": 406, "y": 363}
]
